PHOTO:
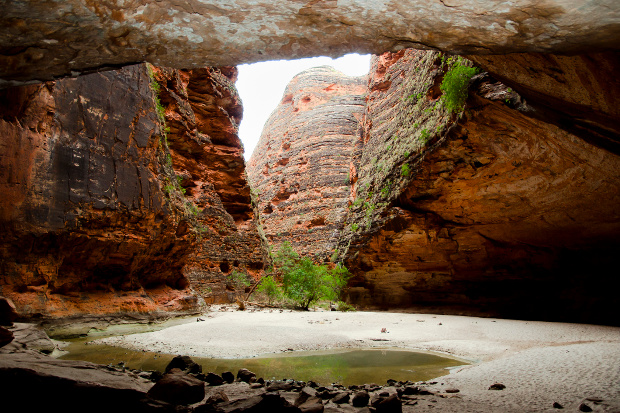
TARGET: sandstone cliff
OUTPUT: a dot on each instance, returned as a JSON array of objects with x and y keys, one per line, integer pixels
[
  {"x": 299, "y": 170},
  {"x": 45, "y": 40},
  {"x": 87, "y": 227},
  {"x": 202, "y": 111},
  {"x": 121, "y": 191},
  {"x": 502, "y": 212}
]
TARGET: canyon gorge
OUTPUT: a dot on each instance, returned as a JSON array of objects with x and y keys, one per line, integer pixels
[
  {"x": 126, "y": 195},
  {"x": 126, "y": 189}
]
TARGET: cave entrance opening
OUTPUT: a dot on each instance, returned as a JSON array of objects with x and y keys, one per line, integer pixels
[{"x": 261, "y": 86}]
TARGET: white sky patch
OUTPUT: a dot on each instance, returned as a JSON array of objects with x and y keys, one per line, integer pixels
[{"x": 261, "y": 86}]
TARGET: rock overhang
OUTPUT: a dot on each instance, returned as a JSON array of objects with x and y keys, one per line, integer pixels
[{"x": 46, "y": 40}]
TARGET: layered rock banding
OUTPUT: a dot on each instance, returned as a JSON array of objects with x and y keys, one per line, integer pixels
[
  {"x": 506, "y": 215},
  {"x": 202, "y": 112},
  {"x": 300, "y": 167},
  {"x": 470, "y": 213},
  {"x": 45, "y": 40}
]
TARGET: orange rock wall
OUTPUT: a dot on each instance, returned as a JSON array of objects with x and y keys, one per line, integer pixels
[
  {"x": 115, "y": 205},
  {"x": 300, "y": 169},
  {"x": 86, "y": 226},
  {"x": 508, "y": 214},
  {"x": 202, "y": 111}
]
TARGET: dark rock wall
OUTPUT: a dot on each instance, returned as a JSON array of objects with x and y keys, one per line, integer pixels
[
  {"x": 577, "y": 93},
  {"x": 300, "y": 167},
  {"x": 87, "y": 226}
]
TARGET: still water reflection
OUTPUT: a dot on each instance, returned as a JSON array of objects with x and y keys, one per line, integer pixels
[{"x": 344, "y": 366}]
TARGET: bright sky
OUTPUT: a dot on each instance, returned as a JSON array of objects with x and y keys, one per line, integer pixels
[{"x": 261, "y": 86}]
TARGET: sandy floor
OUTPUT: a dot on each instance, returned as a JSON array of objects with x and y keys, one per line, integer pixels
[{"x": 539, "y": 363}]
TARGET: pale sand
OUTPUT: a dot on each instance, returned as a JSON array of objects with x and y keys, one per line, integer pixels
[{"x": 538, "y": 362}]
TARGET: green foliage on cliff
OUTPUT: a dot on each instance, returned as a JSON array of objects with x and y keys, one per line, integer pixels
[
  {"x": 238, "y": 280},
  {"x": 304, "y": 282},
  {"x": 455, "y": 83}
]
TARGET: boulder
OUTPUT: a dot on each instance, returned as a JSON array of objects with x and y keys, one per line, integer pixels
[
  {"x": 178, "y": 387},
  {"x": 246, "y": 375},
  {"x": 6, "y": 336},
  {"x": 312, "y": 405},
  {"x": 184, "y": 363},
  {"x": 341, "y": 397},
  {"x": 388, "y": 404},
  {"x": 268, "y": 402},
  {"x": 228, "y": 377},
  {"x": 8, "y": 312},
  {"x": 214, "y": 379},
  {"x": 360, "y": 398}
]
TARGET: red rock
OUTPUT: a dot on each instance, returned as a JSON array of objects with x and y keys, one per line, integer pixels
[
  {"x": 202, "y": 112},
  {"x": 95, "y": 221},
  {"x": 87, "y": 226},
  {"x": 300, "y": 166}
]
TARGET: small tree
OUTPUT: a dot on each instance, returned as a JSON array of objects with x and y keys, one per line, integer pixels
[
  {"x": 304, "y": 282},
  {"x": 270, "y": 288}
]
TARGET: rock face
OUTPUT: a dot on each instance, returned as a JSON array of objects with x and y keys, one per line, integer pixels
[
  {"x": 44, "y": 40},
  {"x": 503, "y": 213},
  {"x": 202, "y": 111},
  {"x": 93, "y": 170},
  {"x": 70, "y": 385},
  {"x": 576, "y": 93},
  {"x": 87, "y": 227},
  {"x": 300, "y": 167}
]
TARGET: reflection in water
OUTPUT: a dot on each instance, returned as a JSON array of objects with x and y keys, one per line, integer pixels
[{"x": 344, "y": 366}]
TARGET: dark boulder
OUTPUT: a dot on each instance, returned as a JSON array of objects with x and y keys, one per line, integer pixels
[
  {"x": 246, "y": 376},
  {"x": 184, "y": 363},
  {"x": 178, "y": 387},
  {"x": 360, "y": 398}
]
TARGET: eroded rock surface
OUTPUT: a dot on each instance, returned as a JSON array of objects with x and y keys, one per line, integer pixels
[
  {"x": 506, "y": 214},
  {"x": 44, "y": 40},
  {"x": 577, "y": 93},
  {"x": 87, "y": 227},
  {"x": 300, "y": 167},
  {"x": 202, "y": 112}
]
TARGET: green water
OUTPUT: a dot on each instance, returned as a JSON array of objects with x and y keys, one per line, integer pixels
[{"x": 344, "y": 366}]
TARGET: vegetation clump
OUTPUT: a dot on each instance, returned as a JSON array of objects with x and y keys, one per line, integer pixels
[
  {"x": 303, "y": 282},
  {"x": 455, "y": 83}
]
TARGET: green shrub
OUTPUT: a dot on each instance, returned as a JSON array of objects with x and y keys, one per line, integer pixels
[
  {"x": 404, "y": 169},
  {"x": 238, "y": 280},
  {"x": 354, "y": 227},
  {"x": 342, "y": 306},
  {"x": 424, "y": 135},
  {"x": 270, "y": 288},
  {"x": 304, "y": 282},
  {"x": 455, "y": 83}
]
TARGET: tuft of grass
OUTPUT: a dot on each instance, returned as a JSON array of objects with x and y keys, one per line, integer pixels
[
  {"x": 404, "y": 169},
  {"x": 455, "y": 83}
]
